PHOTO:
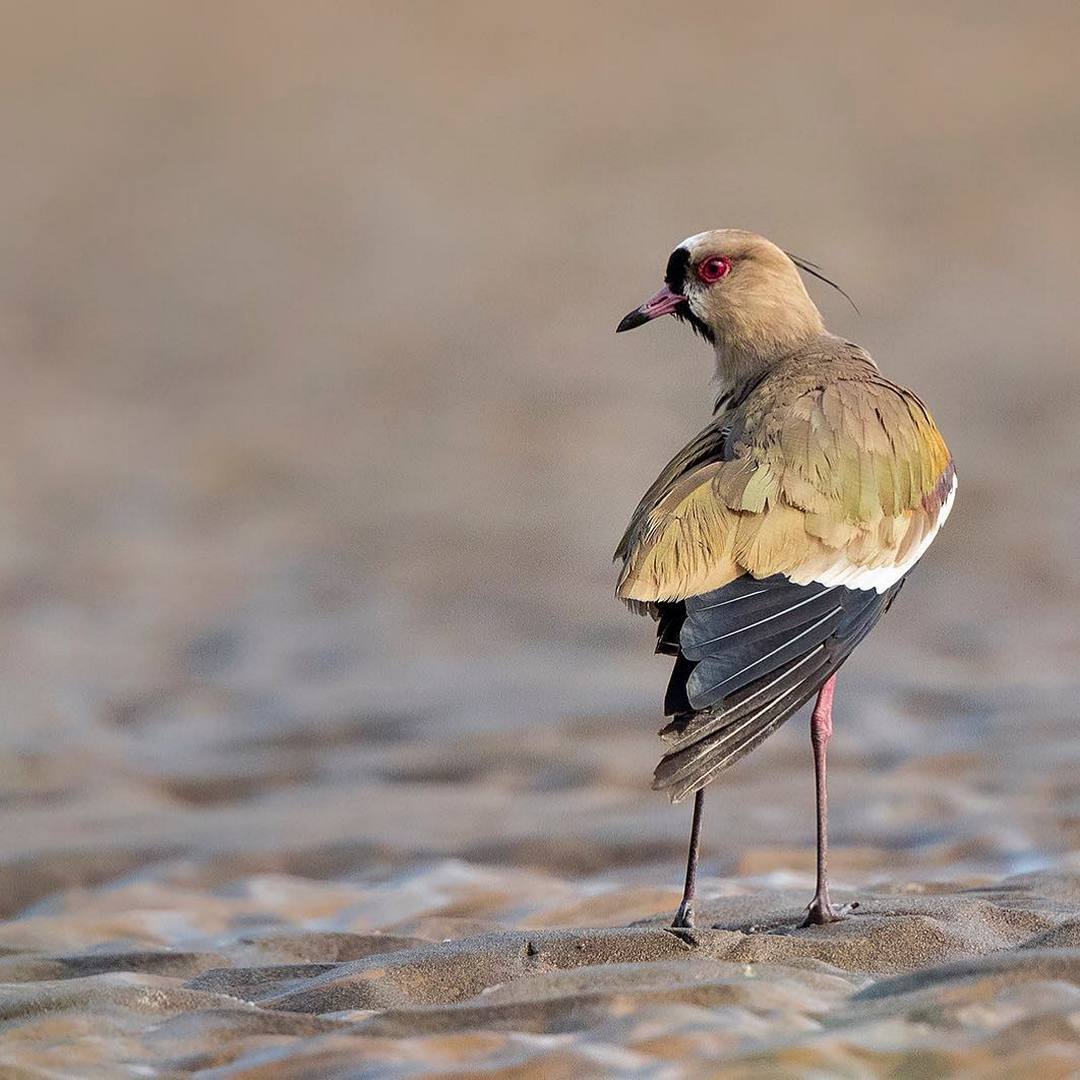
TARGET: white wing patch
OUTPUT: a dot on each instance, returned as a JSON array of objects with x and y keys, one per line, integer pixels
[{"x": 883, "y": 578}]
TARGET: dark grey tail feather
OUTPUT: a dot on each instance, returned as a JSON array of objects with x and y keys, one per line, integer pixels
[
  {"x": 670, "y": 618},
  {"x": 709, "y": 629},
  {"x": 715, "y": 678},
  {"x": 685, "y": 771},
  {"x": 676, "y": 703},
  {"x": 751, "y": 655},
  {"x": 747, "y": 701}
]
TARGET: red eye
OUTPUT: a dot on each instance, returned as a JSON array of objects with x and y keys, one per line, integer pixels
[{"x": 710, "y": 270}]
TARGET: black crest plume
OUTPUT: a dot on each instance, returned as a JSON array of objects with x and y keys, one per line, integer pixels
[{"x": 815, "y": 271}]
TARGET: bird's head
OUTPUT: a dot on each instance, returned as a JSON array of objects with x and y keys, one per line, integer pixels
[{"x": 740, "y": 292}]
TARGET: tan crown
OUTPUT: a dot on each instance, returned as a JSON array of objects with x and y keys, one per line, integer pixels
[{"x": 761, "y": 310}]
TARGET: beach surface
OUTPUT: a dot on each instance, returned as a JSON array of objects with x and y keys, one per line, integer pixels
[
  {"x": 406, "y": 903},
  {"x": 324, "y": 748}
]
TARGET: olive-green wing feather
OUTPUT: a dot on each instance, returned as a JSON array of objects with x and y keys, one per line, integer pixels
[{"x": 840, "y": 481}]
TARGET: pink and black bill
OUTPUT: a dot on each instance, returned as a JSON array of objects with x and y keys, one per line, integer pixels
[
  {"x": 670, "y": 300},
  {"x": 665, "y": 302}
]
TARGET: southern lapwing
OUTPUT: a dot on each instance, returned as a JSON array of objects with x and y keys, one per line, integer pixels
[{"x": 775, "y": 540}]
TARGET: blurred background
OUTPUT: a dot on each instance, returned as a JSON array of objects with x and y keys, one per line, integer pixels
[{"x": 317, "y": 440}]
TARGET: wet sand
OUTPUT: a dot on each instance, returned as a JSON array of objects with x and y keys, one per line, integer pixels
[
  {"x": 324, "y": 750},
  {"x": 922, "y": 980},
  {"x": 510, "y": 915}
]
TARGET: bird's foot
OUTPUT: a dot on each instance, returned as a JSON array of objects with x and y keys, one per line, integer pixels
[
  {"x": 821, "y": 911},
  {"x": 684, "y": 917}
]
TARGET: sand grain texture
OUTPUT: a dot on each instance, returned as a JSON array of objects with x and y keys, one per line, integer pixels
[{"x": 926, "y": 977}]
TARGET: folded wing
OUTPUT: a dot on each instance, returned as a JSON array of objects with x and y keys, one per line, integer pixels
[{"x": 845, "y": 483}]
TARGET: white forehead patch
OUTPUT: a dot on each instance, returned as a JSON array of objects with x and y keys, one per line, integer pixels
[{"x": 690, "y": 241}]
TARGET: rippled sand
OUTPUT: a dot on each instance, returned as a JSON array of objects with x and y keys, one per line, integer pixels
[
  {"x": 416, "y": 902},
  {"x": 219, "y": 979},
  {"x": 324, "y": 751}
]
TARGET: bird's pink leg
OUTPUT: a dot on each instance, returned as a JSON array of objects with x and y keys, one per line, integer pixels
[{"x": 821, "y": 910}]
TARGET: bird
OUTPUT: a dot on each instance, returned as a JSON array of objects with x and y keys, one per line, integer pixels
[{"x": 774, "y": 541}]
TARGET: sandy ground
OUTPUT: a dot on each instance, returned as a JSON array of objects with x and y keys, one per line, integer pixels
[{"x": 324, "y": 750}]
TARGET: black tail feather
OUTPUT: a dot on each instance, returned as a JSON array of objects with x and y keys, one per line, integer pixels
[{"x": 670, "y": 617}]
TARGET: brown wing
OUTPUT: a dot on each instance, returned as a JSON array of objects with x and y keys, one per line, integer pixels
[{"x": 840, "y": 483}]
